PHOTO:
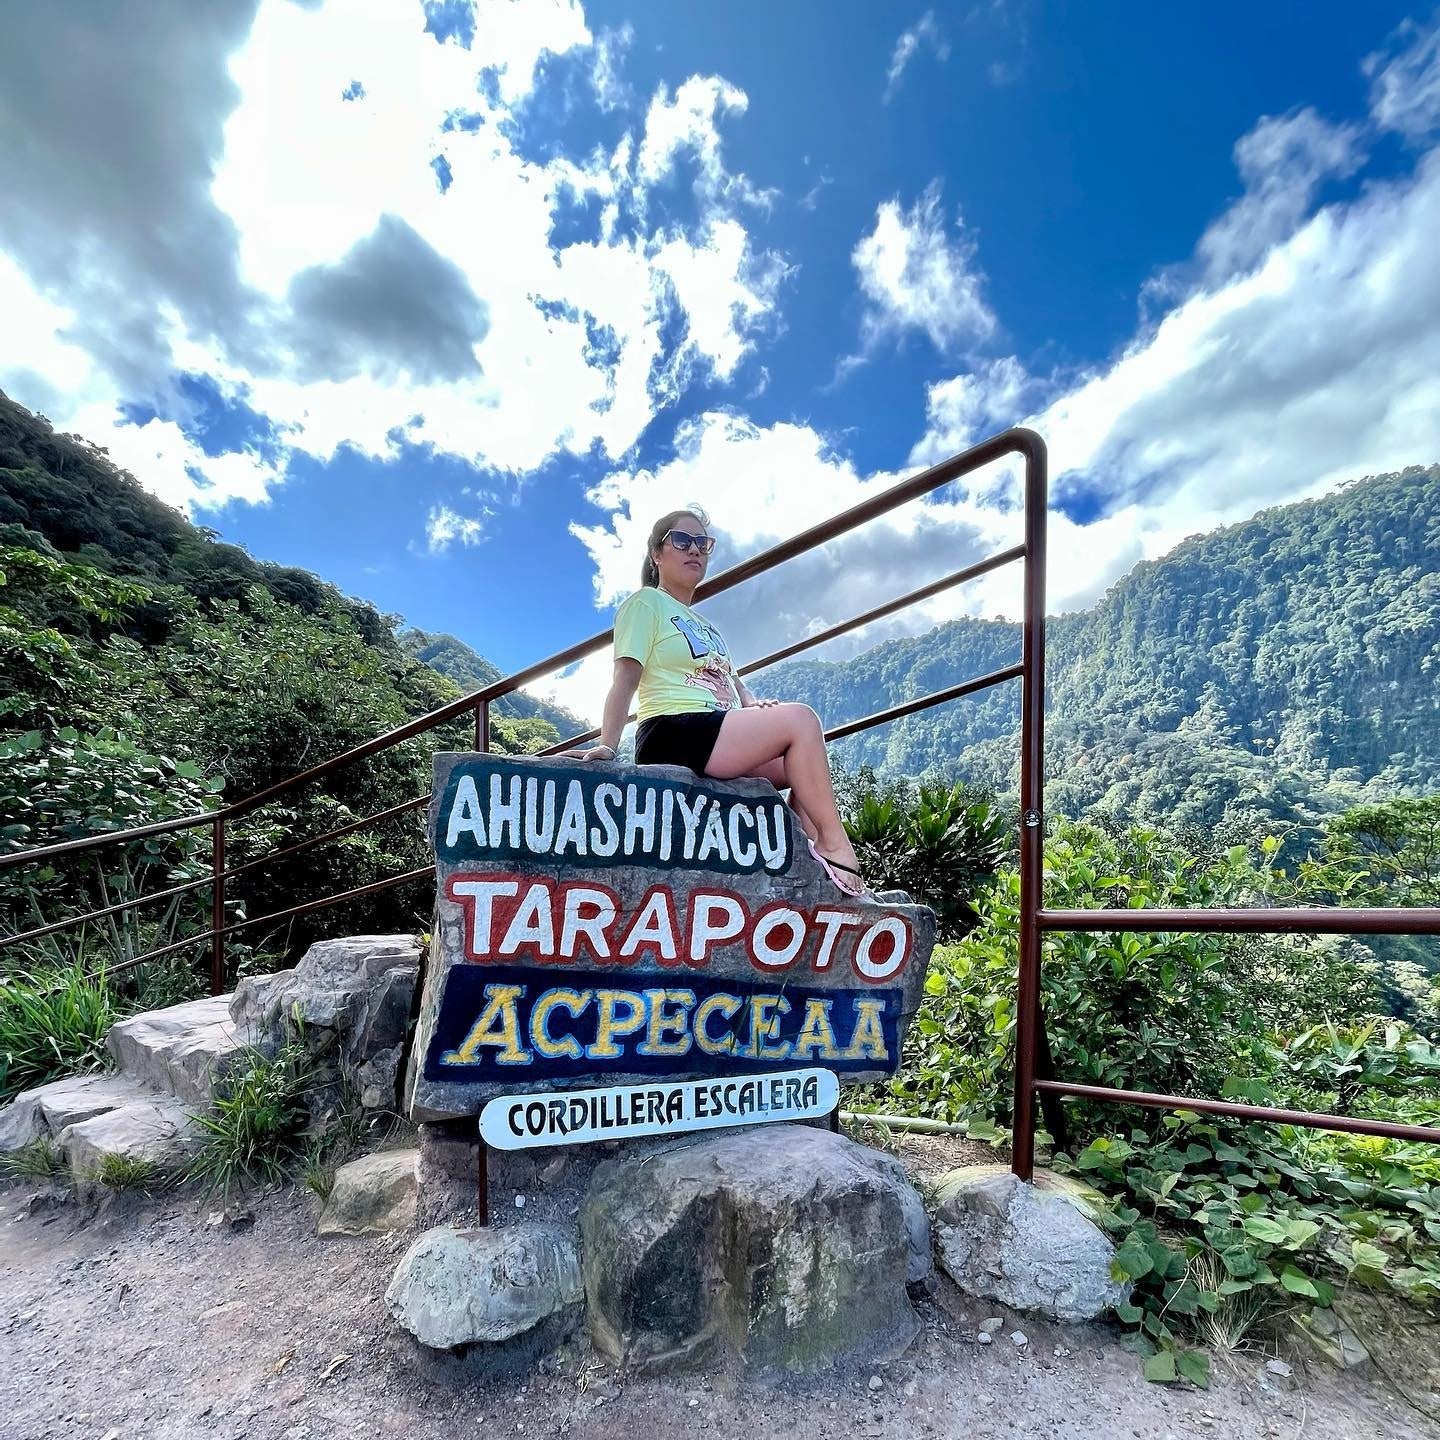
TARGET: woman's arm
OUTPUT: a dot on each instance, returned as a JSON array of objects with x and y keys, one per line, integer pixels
[{"x": 617, "y": 708}]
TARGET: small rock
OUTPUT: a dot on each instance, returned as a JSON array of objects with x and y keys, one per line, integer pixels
[
  {"x": 1277, "y": 1367},
  {"x": 519, "y": 1202},
  {"x": 991, "y": 1326},
  {"x": 985, "y": 1338},
  {"x": 876, "y": 1383},
  {"x": 458, "y": 1286},
  {"x": 1018, "y": 1340}
]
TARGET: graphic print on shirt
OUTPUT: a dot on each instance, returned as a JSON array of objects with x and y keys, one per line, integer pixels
[{"x": 706, "y": 643}]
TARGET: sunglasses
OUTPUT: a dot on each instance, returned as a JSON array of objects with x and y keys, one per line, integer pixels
[{"x": 683, "y": 541}]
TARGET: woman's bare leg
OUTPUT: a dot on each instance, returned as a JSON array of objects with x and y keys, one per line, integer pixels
[
  {"x": 754, "y": 736},
  {"x": 774, "y": 772}
]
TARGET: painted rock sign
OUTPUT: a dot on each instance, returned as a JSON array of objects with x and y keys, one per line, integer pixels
[{"x": 607, "y": 925}]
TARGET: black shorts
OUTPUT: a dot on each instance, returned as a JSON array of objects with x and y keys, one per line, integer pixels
[{"x": 684, "y": 739}]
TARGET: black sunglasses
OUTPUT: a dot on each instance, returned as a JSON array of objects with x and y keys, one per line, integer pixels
[{"x": 683, "y": 541}]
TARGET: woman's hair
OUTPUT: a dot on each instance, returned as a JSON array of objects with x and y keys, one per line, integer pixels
[{"x": 649, "y": 572}]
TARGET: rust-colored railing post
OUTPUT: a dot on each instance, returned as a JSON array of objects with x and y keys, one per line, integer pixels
[
  {"x": 482, "y": 1157},
  {"x": 217, "y": 908},
  {"x": 1032, "y": 813}
]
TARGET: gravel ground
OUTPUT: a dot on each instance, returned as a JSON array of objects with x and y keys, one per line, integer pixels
[{"x": 142, "y": 1318}]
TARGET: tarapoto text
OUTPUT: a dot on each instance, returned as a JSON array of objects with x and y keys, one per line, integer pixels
[{"x": 513, "y": 917}]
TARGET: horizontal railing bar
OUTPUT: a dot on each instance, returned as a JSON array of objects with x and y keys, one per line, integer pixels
[
  {"x": 320, "y": 904},
  {"x": 1308, "y": 1119},
  {"x": 326, "y": 900},
  {"x": 996, "y": 677},
  {"x": 74, "y": 920},
  {"x": 938, "y": 697},
  {"x": 85, "y": 919},
  {"x": 994, "y": 562},
  {"x": 305, "y": 844},
  {"x": 971, "y": 572},
  {"x": 1014, "y": 441},
  {"x": 106, "y": 837},
  {"x": 1254, "y": 920}
]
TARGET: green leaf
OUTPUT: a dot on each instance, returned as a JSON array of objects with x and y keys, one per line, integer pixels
[
  {"x": 1298, "y": 1283},
  {"x": 1262, "y": 1227},
  {"x": 1160, "y": 1367},
  {"x": 1132, "y": 1260},
  {"x": 1128, "y": 1314},
  {"x": 1195, "y": 1367}
]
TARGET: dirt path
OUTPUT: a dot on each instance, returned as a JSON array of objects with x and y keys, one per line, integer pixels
[{"x": 145, "y": 1320}]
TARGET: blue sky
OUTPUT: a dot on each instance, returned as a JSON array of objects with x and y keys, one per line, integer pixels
[{"x": 446, "y": 302}]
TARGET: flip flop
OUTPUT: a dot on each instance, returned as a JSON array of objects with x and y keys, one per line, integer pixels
[{"x": 831, "y": 866}]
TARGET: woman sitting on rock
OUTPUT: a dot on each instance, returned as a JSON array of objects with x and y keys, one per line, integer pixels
[{"x": 694, "y": 710}]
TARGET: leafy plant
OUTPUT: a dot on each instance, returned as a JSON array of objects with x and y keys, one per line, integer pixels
[
  {"x": 940, "y": 845},
  {"x": 127, "y": 1172},
  {"x": 39, "y": 1160},
  {"x": 254, "y": 1130},
  {"x": 52, "y": 1023}
]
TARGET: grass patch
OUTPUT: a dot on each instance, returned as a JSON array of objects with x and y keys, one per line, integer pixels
[
  {"x": 52, "y": 1023},
  {"x": 255, "y": 1130},
  {"x": 128, "y": 1172},
  {"x": 39, "y": 1160}
]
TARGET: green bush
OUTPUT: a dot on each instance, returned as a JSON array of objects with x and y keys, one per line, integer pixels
[
  {"x": 940, "y": 845},
  {"x": 254, "y": 1131},
  {"x": 52, "y": 1023},
  {"x": 1217, "y": 1222}
]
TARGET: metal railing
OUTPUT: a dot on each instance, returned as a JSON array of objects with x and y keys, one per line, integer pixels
[
  {"x": 1022, "y": 442},
  {"x": 1035, "y": 921}
]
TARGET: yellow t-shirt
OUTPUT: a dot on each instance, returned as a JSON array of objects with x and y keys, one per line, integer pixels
[{"x": 687, "y": 664}]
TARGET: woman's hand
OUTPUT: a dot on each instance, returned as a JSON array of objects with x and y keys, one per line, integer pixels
[
  {"x": 763, "y": 704},
  {"x": 593, "y": 752}
]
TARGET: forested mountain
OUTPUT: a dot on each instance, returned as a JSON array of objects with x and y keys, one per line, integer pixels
[
  {"x": 453, "y": 657},
  {"x": 148, "y": 671},
  {"x": 67, "y": 491},
  {"x": 1287, "y": 666}
]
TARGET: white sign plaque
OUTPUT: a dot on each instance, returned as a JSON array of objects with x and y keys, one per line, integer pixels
[{"x": 578, "y": 1117}]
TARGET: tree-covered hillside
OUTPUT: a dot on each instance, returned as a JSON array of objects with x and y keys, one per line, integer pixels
[
  {"x": 1287, "y": 665},
  {"x": 148, "y": 671},
  {"x": 454, "y": 658}
]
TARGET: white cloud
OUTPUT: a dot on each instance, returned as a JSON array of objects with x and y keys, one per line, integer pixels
[
  {"x": 924, "y": 32},
  {"x": 915, "y": 277},
  {"x": 355, "y": 301},
  {"x": 1282, "y": 161},
  {"x": 611, "y": 47},
  {"x": 1319, "y": 363},
  {"x": 687, "y": 125},
  {"x": 1405, "y": 81},
  {"x": 445, "y": 527}
]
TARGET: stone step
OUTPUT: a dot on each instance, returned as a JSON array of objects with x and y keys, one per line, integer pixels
[
  {"x": 42, "y": 1113},
  {"x": 157, "y": 1129},
  {"x": 186, "y": 1050},
  {"x": 87, "y": 1117}
]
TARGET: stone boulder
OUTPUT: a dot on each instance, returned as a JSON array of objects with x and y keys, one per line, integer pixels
[
  {"x": 160, "y": 1131},
  {"x": 458, "y": 1287},
  {"x": 786, "y": 1247},
  {"x": 352, "y": 999},
  {"x": 42, "y": 1113},
  {"x": 188, "y": 1050},
  {"x": 372, "y": 1195},
  {"x": 1034, "y": 1247}
]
